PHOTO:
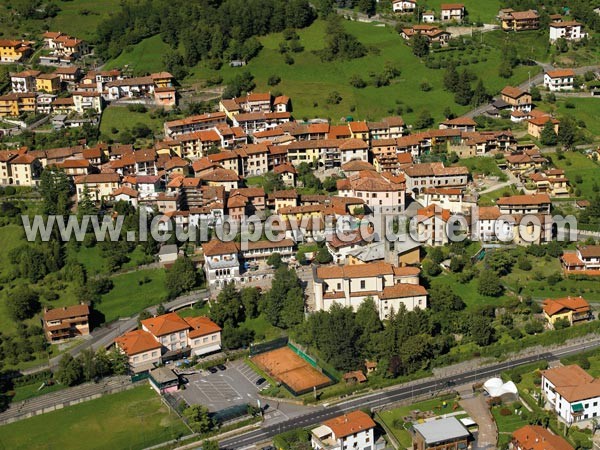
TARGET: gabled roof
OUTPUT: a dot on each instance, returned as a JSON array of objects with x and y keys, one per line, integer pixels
[
  {"x": 535, "y": 199},
  {"x": 535, "y": 437},
  {"x": 201, "y": 326},
  {"x": 512, "y": 92},
  {"x": 561, "y": 73},
  {"x": 573, "y": 383},
  {"x": 215, "y": 247},
  {"x": 351, "y": 423},
  {"x": 137, "y": 341},
  {"x": 66, "y": 312},
  {"x": 165, "y": 324},
  {"x": 575, "y": 304}
]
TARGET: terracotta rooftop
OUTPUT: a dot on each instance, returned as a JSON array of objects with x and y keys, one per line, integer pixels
[
  {"x": 137, "y": 341},
  {"x": 575, "y": 304},
  {"x": 66, "y": 312},
  {"x": 165, "y": 324},
  {"x": 351, "y": 423}
]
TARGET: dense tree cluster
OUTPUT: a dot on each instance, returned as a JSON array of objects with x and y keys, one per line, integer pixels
[
  {"x": 339, "y": 44},
  {"x": 206, "y": 30}
]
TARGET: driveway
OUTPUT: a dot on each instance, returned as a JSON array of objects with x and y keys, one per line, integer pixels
[{"x": 477, "y": 408}]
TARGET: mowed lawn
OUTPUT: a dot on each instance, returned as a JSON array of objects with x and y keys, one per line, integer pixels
[
  {"x": 76, "y": 17},
  {"x": 578, "y": 164},
  {"x": 133, "y": 292},
  {"x": 478, "y": 10},
  {"x": 309, "y": 80},
  {"x": 586, "y": 109},
  {"x": 119, "y": 118},
  {"x": 127, "y": 420},
  {"x": 145, "y": 57}
]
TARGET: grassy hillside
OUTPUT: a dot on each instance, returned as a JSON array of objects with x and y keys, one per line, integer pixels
[
  {"x": 131, "y": 419},
  {"x": 309, "y": 80},
  {"x": 478, "y": 10},
  {"x": 145, "y": 57},
  {"x": 77, "y": 17}
]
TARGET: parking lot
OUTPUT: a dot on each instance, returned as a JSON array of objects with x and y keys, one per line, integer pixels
[{"x": 233, "y": 386}]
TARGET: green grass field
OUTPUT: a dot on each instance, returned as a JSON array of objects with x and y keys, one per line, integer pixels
[
  {"x": 585, "y": 109},
  {"x": 489, "y": 198},
  {"x": 127, "y": 420},
  {"x": 484, "y": 166},
  {"x": 76, "y": 17},
  {"x": 478, "y": 10},
  {"x": 119, "y": 118},
  {"x": 577, "y": 164},
  {"x": 145, "y": 57},
  {"x": 309, "y": 81},
  {"x": 129, "y": 297}
]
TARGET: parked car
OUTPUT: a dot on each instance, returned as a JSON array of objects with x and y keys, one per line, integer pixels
[
  {"x": 260, "y": 381},
  {"x": 221, "y": 367},
  {"x": 212, "y": 370}
]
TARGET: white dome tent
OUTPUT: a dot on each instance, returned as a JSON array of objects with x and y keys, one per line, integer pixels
[{"x": 497, "y": 388}]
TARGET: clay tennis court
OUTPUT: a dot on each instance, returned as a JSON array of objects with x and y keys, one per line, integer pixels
[{"x": 285, "y": 365}]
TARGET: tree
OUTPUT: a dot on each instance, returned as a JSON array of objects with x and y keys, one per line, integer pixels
[
  {"x": 69, "y": 371},
  {"x": 23, "y": 303},
  {"x": 87, "y": 361},
  {"x": 480, "y": 94},
  {"x": 272, "y": 182},
  {"x": 463, "y": 92},
  {"x": 284, "y": 281},
  {"x": 451, "y": 78},
  {"x": 367, "y": 321},
  {"x": 536, "y": 96},
  {"x": 567, "y": 132},
  {"x": 420, "y": 45},
  {"x": 424, "y": 120},
  {"x": 234, "y": 338},
  {"x": 357, "y": 81},
  {"x": 250, "y": 300},
  {"x": 435, "y": 254},
  {"x": 160, "y": 309},
  {"x": 198, "y": 418},
  {"x": 323, "y": 256},
  {"x": 505, "y": 69},
  {"x": 210, "y": 445},
  {"x": 367, "y": 6},
  {"x": 56, "y": 190},
  {"x": 548, "y": 136},
  {"x": 228, "y": 310},
  {"x": 443, "y": 299},
  {"x": 274, "y": 260},
  {"x": 523, "y": 263},
  {"x": 86, "y": 206},
  {"x": 181, "y": 277},
  {"x": 489, "y": 284},
  {"x": 480, "y": 329}
]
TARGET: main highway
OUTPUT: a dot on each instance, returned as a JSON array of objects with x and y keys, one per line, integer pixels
[{"x": 387, "y": 396}]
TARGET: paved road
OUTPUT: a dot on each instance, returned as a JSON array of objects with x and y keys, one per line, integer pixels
[
  {"x": 407, "y": 391},
  {"x": 104, "y": 336},
  {"x": 536, "y": 80}
]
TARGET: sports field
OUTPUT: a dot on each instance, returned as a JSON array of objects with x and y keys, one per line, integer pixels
[{"x": 285, "y": 365}]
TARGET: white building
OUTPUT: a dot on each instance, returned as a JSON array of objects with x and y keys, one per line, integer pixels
[
  {"x": 559, "y": 80},
  {"x": 389, "y": 286},
  {"x": 221, "y": 262},
  {"x": 404, "y": 6},
  {"x": 570, "y": 30},
  {"x": 572, "y": 392},
  {"x": 355, "y": 430},
  {"x": 452, "y": 12}
]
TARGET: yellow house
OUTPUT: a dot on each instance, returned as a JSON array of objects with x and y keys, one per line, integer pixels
[
  {"x": 12, "y": 50},
  {"x": 13, "y": 105},
  {"x": 359, "y": 130},
  {"x": 48, "y": 82},
  {"x": 162, "y": 79},
  {"x": 536, "y": 125},
  {"x": 573, "y": 309}
]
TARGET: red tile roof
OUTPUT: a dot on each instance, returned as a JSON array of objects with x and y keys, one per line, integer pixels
[
  {"x": 165, "y": 324},
  {"x": 137, "y": 341},
  {"x": 351, "y": 423}
]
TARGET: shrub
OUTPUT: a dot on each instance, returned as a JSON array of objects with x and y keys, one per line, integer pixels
[{"x": 274, "y": 80}]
